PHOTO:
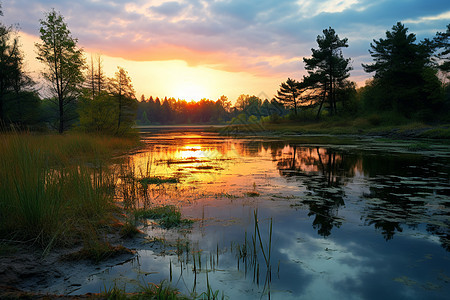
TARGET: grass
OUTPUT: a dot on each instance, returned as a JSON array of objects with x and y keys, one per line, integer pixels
[
  {"x": 129, "y": 230},
  {"x": 387, "y": 124},
  {"x": 97, "y": 252},
  {"x": 168, "y": 216},
  {"x": 54, "y": 187},
  {"x": 150, "y": 291}
]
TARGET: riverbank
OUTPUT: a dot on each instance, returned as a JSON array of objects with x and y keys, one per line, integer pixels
[{"x": 356, "y": 128}]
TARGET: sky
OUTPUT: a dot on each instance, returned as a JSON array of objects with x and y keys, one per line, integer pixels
[{"x": 193, "y": 49}]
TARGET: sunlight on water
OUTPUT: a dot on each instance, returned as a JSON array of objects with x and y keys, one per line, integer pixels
[{"x": 348, "y": 222}]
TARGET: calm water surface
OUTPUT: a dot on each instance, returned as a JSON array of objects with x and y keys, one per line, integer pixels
[{"x": 360, "y": 221}]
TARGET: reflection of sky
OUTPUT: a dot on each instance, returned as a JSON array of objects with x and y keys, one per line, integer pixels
[{"x": 354, "y": 261}]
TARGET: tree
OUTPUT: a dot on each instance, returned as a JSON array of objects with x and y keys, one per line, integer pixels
[
  {"x": 327, "y": 68},
  {"x": 13, "y": 79},
  {"x": 121, "y": 89},
  {"x": 442, "y": 52},
  {"x": 64, "y": 62},
  {"x": 289, "y": 93},
  {"x": 95, "y": 78},
  {"x": 400, "y": 66},
  {"x": 96, "y": 115}
]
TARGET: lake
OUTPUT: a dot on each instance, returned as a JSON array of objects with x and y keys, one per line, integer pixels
[{"x": 293, "y": 218}]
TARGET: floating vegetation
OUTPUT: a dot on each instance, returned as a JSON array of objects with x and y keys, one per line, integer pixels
[
  {"x": 204, "y": 167},
  {"x": 226, "y": 195},
  {"x": 168, "y": 216},
  {"x": 157, "y": 180},
  {"x": 418, "y": 147},
  {"x": 252, "y": 194}
]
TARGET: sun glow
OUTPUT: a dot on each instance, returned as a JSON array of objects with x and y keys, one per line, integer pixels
[
  {"x": 189, "y": 91},
  {"x": 172, "y": 78}
]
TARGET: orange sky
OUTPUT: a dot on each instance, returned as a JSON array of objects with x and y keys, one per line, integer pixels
[
  {"x": 173, "y": 78},
  {"x": 194, "y": 49}
]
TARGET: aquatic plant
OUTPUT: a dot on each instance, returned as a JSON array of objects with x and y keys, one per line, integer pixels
[
  {"x": 168, "y": 216},
  {"x": 145, "y": 181}
]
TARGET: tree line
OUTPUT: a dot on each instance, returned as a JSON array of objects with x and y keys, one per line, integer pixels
[
  {"x": 410, "y": 79},
  {"x": 177, "y": 111}
]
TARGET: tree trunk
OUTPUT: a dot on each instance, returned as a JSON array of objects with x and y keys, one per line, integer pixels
[
  {"x": 1, "y": 112},
  {"x": 321, "y": 102},
  {"x": 295, "y": 105},
  {"x": 61, "y": 115},
  {"x": 120, "y": 114}
]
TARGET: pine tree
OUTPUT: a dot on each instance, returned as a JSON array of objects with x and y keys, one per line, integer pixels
[
  {"x": 402, "y": 69},
  {"x": 327, "y": 68},
  {"x": 442, "y": 46},
  {"x": 122, "y": 91},
  {"x": 289, "y": 93}
]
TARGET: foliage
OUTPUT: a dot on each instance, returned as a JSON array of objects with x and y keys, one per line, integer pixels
[
  {"x": 96, "y": 81},
  {"x": 205, "y": 111},
  {"x": 23, "y": 109},
  {"x": 108, "y": 107},
  {"x": 327, "y": 68},
  {"x": 122, "y": 93},
  {"x": 403, "y": 80},
  {"x": 96, "y": 115},
  {"x": 13, "y": 79},
  {"x": 442, "y": 50},
  {"x": 289, "y": 92},
  {"x": 63, "y": 60}
]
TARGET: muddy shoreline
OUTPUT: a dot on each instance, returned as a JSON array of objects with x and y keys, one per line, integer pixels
[{"x": 25, "y": 272}]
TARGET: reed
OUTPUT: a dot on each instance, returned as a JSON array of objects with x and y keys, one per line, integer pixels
[{"x": 52, "y": 187}]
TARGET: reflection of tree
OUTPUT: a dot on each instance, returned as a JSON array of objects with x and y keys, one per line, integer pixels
[
  {"x": 396, "y": 181},
  {"x": 442, "y": 232},
  {"x": 324, "y": 173}
]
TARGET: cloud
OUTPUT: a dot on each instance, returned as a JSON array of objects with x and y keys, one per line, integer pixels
[
  {"x": 168, "y": 8},
  {"x": 256, "y": 36}
]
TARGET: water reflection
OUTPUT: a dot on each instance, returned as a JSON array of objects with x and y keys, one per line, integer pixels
[
  {"x": 324, "y": 172},
  {"x": 394, "y": 190},
  {"x": 333, "y": 209}
]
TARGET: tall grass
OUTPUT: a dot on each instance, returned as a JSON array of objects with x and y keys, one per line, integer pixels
[{"x": 53, "y": 187}]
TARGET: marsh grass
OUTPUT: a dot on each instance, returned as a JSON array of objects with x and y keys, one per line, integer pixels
[
  {"x": 162, "y": 291},
  {"x": 53, "y": 187},
  {"x": 252, "y": 249}
]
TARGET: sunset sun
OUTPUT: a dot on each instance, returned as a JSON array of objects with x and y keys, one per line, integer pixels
[{"x": 189, "y": 91}]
